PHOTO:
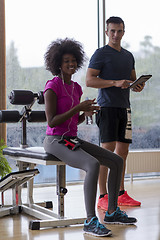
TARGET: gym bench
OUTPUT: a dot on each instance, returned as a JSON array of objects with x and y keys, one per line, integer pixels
[
  {"x": 28, "y": 157},
  {"x": 14, "y": 181}
]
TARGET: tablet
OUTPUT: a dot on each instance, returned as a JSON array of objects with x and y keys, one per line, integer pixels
[{"x": 140, "y": 80}]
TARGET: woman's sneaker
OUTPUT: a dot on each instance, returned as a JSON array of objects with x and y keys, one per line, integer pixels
[
  {"x": 94, "y": 227},
  {"x": 119, "y": 217}
]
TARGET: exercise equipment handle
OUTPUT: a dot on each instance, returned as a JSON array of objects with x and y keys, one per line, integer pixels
[
  {"x": 37, "y": 116},
  {"x": 9, "y": 116},
  {"x": 21, "y": 97}
]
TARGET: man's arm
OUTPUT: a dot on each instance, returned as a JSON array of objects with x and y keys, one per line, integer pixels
[
  {"x": 93, "y": 80},
  {"x": 133, "y": 75}
]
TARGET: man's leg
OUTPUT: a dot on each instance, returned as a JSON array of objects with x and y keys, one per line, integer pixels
[
  {"x": 104, "y": 170},
  {"x": 103, "y": 174},
  {"x": 122, "y": 150},
  {"x": 124, "y": 199}
]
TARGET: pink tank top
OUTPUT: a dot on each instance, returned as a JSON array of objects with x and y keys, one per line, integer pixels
[{"x": 68, "y": 96}]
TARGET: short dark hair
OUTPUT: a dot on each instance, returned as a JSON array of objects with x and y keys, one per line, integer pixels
[
  {"x": 116, "y": 20},
  {"x": 59, "y": 47}
]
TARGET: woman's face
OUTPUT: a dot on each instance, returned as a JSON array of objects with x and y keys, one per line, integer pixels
[{"x": 69, "y": 64}]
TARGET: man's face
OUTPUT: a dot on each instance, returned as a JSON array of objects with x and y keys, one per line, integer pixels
[{"x": 115, "y": 33}]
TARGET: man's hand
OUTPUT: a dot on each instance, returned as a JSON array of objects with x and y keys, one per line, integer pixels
[
  {"x": 123, "y": 83},
  {"x": 139, "y": 87}
]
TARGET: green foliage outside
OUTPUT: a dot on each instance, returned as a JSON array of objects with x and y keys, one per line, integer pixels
[{"x": 4, "y": 165}]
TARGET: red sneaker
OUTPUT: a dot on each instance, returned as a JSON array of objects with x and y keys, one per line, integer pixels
[
  {"x": 126, "y": 200},
  {"x": 103, "y": 202}
]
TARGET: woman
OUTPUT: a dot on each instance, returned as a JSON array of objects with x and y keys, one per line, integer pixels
[{"x": 62, "y": 106}]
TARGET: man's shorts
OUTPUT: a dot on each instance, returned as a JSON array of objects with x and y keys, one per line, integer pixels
[{"x": 114, "y": 124}]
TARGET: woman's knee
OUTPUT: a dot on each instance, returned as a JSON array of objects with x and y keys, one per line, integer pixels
[
  {"x": 93, "y": 165},
  {"x": 120, "y": 161},
  {"x": 117, "y": 161}
]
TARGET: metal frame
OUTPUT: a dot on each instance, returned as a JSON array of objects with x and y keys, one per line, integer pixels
[
  {"x": 101, "y": 17},
  {"x": 47, "y": 218},
  {"x": 14, "y": 181}
]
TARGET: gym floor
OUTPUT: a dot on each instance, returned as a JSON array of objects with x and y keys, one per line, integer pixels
[{"x": 16, "y": 227}]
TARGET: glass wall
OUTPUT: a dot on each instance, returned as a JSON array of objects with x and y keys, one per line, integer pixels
[
  {"x": 142, "y": 38},
  {"x": 30, "y": 27}
]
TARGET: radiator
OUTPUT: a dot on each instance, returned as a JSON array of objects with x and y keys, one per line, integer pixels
[{"x": 143, "y": 160}]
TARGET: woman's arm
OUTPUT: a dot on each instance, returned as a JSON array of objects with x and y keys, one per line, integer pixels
[
  {"x": 81, "y": 118},
  {"x": 51, "y": 110},
  {"x": 53, "y": 119}
]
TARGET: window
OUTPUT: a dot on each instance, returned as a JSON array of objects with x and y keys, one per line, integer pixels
[
  {"x": 143, "y": 40},
  {"x": 30, "y": 27}
]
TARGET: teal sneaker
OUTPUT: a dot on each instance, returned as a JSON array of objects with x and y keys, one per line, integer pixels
[
  {"x": 94, "y": 227},
  {"x": 119, "y": 217}
]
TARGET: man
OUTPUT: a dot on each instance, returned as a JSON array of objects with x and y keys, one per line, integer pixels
[{"x": 111, "y": 70}]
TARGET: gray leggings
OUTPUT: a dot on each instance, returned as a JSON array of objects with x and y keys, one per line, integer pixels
[{"x": 89, "y": 157}]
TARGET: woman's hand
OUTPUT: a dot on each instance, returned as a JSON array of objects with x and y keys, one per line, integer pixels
[{"x": 88, "y": 106}]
